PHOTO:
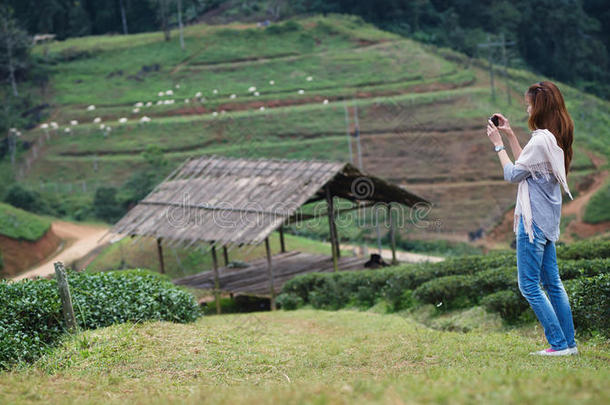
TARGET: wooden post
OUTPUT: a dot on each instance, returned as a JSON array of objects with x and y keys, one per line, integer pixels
[
  {"x": 216, "y": 281},
  {"x": 270, "y": 274},
  {"x": 331, "y": 222},
  {"x": 160, "y": 252},
  {"x": 225, "y": 254},
  {"x": 282, "y": 245},
  {"x": 336, "y": 234},
  {"x": 66, "y": 299},
  {"x": 392, "y": 235}
]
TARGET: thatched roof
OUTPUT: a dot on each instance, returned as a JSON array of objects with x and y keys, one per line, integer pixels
[{"x": 235, "y": 201}]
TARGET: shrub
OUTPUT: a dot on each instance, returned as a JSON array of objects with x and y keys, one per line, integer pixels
[
  {"x": 105, "y": 204},
  {"x": 569, "y": 269},
  {"x": 101, "y": 299},
  {"x": 31, "y": 320},
  {"x": 454, "y": 282},
  {"x": 490, "y": 281},
  {"x": 509, "y": 304},
  {"x": 302, "y": 284},
  {"x": 450, "y": 292},
  {"x": 288, "y": 26},
  {"x": 29, "y": 200},
  {"x": 584, "y": 250},
  {"x": 289, "y": 301},
  {"x": 590, "y": 300}
]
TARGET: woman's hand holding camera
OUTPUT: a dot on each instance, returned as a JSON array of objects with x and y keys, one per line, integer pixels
[
  {"x": 503, "y": 123},
  {"x": 493, "y": 134}
]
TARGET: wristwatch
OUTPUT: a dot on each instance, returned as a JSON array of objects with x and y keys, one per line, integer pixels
[{"x": 498, "y": 148}]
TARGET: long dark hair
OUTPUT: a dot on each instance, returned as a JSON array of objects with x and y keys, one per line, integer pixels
[{"x": 549, "y": 112}]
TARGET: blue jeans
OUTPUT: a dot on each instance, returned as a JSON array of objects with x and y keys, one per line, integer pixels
[{"x": 537, "y": 262}]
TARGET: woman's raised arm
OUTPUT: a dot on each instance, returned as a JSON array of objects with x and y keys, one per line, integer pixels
[{"x": 504, "y": 125}]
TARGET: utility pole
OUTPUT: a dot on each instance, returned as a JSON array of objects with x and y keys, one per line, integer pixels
[
  {"x": 490, "y": 45},
  {"x": 349, "y": 137},
  {"x": 359, "y": 150},
  {"x": 505, "y": 69},
  {"x": 357, "y": 134}
]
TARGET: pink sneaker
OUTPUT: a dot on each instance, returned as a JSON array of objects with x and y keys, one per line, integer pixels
[{"x": 552, "y": 352}]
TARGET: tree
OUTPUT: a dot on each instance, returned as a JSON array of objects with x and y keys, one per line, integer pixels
[
  {"x": 163, "y": 16},
  {"x": 123, "y": 17},
  {"x": 15, "y": 45},
  {"x": 105, "y": 205},
  {"x": 180, "y": 24}
]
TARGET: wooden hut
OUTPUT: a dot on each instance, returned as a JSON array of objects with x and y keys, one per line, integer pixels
[{"x": 230, "y": 202}]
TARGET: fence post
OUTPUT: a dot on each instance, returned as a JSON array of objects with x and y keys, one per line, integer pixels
[{"x": 64, "y": 293}]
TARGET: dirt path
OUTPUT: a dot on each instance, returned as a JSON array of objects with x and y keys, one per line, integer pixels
[
  {"x": 386, "y": 254},
  {"x": 80, "y": 240}
]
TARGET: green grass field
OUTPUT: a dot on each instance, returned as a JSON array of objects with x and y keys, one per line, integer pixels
[
  {"x": 309, "y": 357},
  {"x": 19, "y": 224}
]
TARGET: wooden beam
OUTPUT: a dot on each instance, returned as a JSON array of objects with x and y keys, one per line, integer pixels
[
  {"x": 160, "y": 252},
  {"x": 270, "y": 274},
  {"x": 300, "y": 217},
  {"x": 216, "y": 281},
  {"x": 331, "y": 221},
  {"x": 282, "y": 244},
  {"x": 392, "y": 235},
  {"x": 225, "y": 254}
]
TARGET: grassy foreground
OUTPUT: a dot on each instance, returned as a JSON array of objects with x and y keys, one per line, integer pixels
[{"x": 308, "y": 356}]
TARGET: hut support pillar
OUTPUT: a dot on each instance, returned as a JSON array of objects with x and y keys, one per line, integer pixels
[
  {"x": 160, "y": 252},
  {"x": 331, "y": 225},
  {"x": 225, "y": 254},
  {"x": 216, "y": 281},
  {"x": 282, "y": 244},
  {"x": 270, "y": 273},
  {"x": 392, "y": 235}
]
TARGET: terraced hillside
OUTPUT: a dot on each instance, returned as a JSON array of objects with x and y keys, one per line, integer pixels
[{"x": 281, "y": 91}]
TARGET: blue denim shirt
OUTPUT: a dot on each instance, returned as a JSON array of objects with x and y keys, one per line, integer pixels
[{"x": 545, "y": 199}]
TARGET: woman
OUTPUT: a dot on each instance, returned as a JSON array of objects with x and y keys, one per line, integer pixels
[{"x": 540, "y": 167}]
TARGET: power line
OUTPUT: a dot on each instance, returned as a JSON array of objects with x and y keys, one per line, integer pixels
[{"x": 502, "y": 43}]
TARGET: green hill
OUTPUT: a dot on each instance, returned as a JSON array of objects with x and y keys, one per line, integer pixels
[
  {"x": 421, "y": 110},
  {"x": 16, "y": 223}
]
